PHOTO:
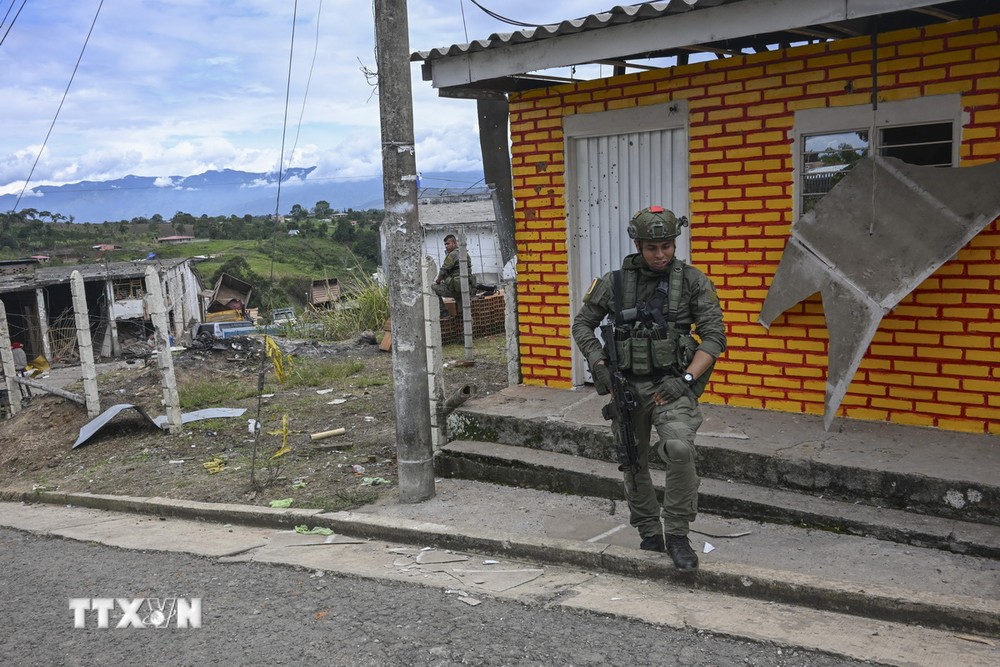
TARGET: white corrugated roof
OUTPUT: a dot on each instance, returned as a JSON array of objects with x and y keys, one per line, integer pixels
[{"x": 614, "y": 16}]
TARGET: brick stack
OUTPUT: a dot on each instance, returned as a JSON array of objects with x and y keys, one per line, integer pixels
[{"x": 487, "y": 319}]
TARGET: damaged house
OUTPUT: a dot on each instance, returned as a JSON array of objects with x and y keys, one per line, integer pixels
[
  {"x": 39, "y": 304},
  {"x": 743, "y": 115}
]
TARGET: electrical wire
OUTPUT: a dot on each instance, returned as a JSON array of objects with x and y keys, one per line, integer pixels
[
  {"x": 284, "y": 122},
  {"x": 274, "y": 234},
  {"x": 305, "y": 95},
  {"x": 61, "y": 102},
  {"x": 23, "y": 3},
  {"x": 504, "y": 19}
]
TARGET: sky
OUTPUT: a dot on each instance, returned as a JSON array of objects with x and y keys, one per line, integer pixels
[{"x": 177, "y": 87}]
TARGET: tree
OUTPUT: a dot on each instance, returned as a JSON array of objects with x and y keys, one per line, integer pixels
[
  {"x": 322, "y": 209},
  {"x": 343, "y": 232},
  {"x": 298, "y": 213}
]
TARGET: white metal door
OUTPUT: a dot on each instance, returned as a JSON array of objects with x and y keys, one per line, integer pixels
[{"x": 610, "y": 175}]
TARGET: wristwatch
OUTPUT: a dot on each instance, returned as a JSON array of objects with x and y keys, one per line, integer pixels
[{"x": 688, "y": 378}]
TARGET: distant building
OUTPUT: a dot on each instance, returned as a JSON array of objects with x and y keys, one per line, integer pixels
[
  {"x": 40, "y": 308},
  {"x": 175, "y": 239},
  {"x": 324, "y": 293},
  {"x": 473, "y": 216},
  {"x": 106, "y": 247}
]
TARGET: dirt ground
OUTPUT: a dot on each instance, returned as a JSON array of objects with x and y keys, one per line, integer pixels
[{"x": 130, "y": 456}]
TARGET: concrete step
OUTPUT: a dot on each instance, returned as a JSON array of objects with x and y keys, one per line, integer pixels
[
  {"x": 563, "y": 473},
  {"x": 919, "y": 470},
  {"x": 867, "y": 561}
]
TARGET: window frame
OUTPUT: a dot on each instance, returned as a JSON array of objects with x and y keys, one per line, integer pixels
[{"x": 834, "y": 120}]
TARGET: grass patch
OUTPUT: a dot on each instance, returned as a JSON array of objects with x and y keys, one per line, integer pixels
[
  {"x": 364, "y": 306},
  {"x": 321, "y": 372},
  {"x": 198, "y": 394},
  {"x": 345, "y": 499}
]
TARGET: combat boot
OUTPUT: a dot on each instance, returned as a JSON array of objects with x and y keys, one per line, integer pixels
[
  {"x": 681, "y": 552},
  {"x": 652, "y": 543}
]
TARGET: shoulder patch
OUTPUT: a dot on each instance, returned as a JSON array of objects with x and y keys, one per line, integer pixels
[{"x": 590, "y": 290}]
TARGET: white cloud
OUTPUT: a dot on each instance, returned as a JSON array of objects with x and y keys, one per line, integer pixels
[{"x": 176, "y": 88}]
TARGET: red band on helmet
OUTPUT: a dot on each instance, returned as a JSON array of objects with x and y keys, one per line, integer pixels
[{"x": 656, "y": 209}]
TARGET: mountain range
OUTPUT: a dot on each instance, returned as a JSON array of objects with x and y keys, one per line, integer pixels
[{"x": 217, "y": 192}]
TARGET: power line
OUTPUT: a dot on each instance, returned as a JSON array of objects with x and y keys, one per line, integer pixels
[
  {"x": 23, "y": 2},
  {"x": 504, "y": 19},
  {"x": 61, "y": 102},
  {"x": 305, "y": 95}
]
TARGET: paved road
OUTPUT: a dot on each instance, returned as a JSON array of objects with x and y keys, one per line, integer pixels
[{"x": 259, "y": 614}]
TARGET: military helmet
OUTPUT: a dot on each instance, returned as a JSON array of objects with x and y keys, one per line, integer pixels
[{"x": 655, "y": 223}]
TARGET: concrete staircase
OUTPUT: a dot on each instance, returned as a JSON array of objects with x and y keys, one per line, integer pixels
[{"x": 877, "y": 520}]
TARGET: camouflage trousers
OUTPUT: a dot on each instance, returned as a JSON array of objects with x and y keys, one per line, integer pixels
[{"x": 676, "y": 424}]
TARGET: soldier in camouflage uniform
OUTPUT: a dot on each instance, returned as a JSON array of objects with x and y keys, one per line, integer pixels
[
  {"x": 449, "y": 278},
  {"x": 665, "y": 366}
]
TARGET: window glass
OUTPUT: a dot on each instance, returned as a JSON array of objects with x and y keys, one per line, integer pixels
[{"x": 826, "y": 159}]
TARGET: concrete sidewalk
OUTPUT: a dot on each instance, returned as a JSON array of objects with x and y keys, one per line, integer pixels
[{"x": 479, "y": 563}]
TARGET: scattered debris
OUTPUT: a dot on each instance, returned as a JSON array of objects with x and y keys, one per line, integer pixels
[
  {"x": 100, "y": 421},
  {"x": 732, "y": 436},
  {"x": 708, "y": 548},
  {"x": 88, "y": 430},
  {"x": 207, "y": 413},
  {"x": 214, "y": 465},
  {"x": 322, "y": 435},
  {"x": 315, "y": 530},
  {"x": 976, "y": 640},
  {"x": 282, "y": 503},
  {"x": 497, "y": 580},
  {"x": 436, "y": 557}
]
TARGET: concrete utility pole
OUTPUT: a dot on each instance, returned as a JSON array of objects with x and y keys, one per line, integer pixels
[
  {"x": 463, "y": 272},
  {"x": 401, "y": 229},
  {"x": 7, "y": 364},
  {"x": 161, "y": 334},
  {"x": 85, "y": 344}
]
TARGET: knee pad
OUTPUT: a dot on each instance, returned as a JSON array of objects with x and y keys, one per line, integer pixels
[{"x": 675, "y": 450}]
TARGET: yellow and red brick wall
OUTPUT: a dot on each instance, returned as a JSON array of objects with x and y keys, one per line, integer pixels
[{"x": 933, "y": 362}]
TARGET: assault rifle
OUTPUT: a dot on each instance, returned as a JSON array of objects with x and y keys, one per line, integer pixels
[{"x": 620, "y": 409}]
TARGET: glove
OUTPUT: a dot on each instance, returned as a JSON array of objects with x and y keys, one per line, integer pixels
[
  {"x": 602, "y": 378},
  {"x": 670, "y": 389}
]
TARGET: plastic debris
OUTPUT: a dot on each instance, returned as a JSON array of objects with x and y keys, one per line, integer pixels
[
  {"x": 708, "y": 548},
  {"x": 375, "y": 481},
  {"x": 214, "y": 465},
  {"x": 283, "y": 502},
  {"x": 315, "y": 530}
]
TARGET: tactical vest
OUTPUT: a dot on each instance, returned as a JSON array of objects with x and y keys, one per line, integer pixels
[{"x": 648, "y": 339}]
